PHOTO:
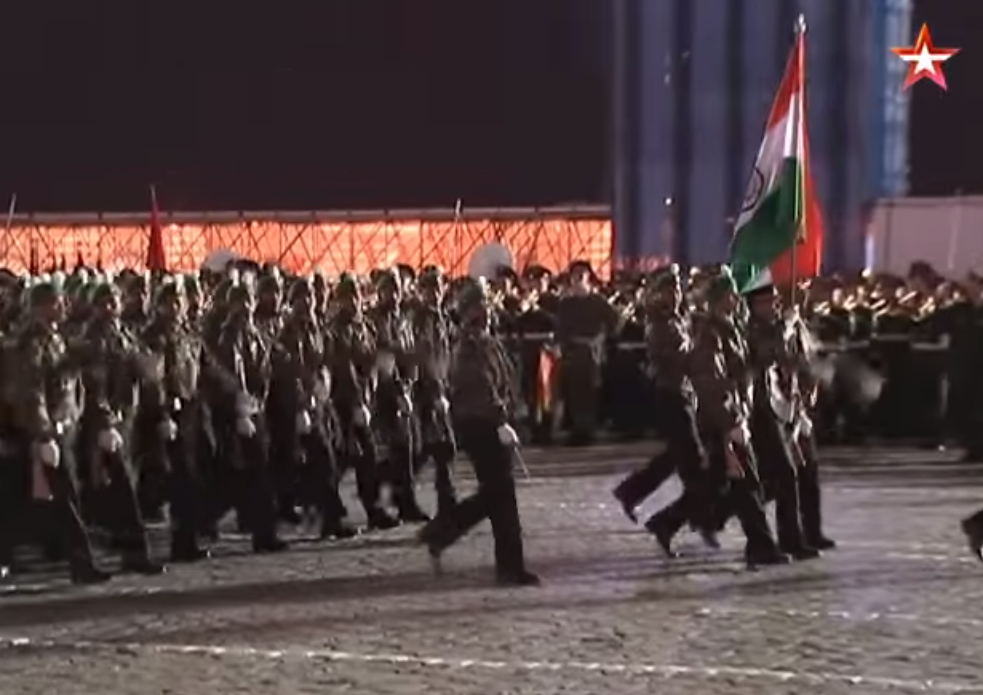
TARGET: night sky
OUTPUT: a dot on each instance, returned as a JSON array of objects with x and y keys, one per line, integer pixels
[
  {"x": 947, "y": 126},
  {"x": 351, "y": 104}
]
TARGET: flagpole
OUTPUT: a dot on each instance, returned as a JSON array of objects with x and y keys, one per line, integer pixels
[
  {"x": 10, "y": 213},
  {"x": 800, "y": 56}
]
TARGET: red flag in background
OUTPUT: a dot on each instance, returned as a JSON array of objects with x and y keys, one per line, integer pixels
[
  {"x": 156, "y": 263},
  {"x": 544, "y": 382},
  {"x": 34, "y": 262}
]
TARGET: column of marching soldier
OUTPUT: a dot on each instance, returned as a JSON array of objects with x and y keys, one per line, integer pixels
[{"x": 255, "y": 392}]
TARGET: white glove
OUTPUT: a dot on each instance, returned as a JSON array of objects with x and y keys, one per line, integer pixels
[
  {"x": 443, "y": 405},
  {"x": 110, "y": 440},
  {"x": 362, "y": 416},
  {"x": 405, "y": 405},
  {"x": 304, "y": 422},
  {"x": 805, "y": 426},
  {"x": 245, "y": 406},
  {"x": 739, "y": 435},
  {"x": 245, "y": 427},
  {"x": 168, "y": 430},
  {"x": 507, "y": 436},
  {"x": 48, "y": 453}
]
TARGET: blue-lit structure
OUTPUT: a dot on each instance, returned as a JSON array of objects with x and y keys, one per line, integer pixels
[{"x": 693, "y": 82}]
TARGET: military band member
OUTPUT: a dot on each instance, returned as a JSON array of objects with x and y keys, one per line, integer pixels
[
  {"x": 585, "y": 320},
  {"x": 482, "y": 394}
]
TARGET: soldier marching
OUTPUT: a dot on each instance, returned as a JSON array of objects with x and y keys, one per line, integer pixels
[{"x": 255, "y": 392}]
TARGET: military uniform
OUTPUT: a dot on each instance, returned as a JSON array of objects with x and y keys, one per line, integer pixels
[
  {"x": 172, "y": 415},
  {"x": 351, "y": 357},
  {"x": 775, "y": 396},
  {"x": 299, "y": 414},
  {"x": 670, "y": 349},
  {"x": 721, "y": 378},
  {"x": 432, "y": 351},
  {"x": 239, "y": 422},
  {"x": 482, "y": 394},
  {"x": 395, "y": 418},
  {"x": 585, "y": 320},
  {"x": 113, "y": 370},
  {"x": 46, "y": 411},
  {"x": 803, "y": 438}
]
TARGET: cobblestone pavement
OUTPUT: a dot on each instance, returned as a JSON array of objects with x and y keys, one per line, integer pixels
[{"x": 899, "y": 607}]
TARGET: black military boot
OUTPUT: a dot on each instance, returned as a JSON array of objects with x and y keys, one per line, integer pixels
[
  {"x": 140, "y": 563},
  {"x": 380, "y": 520},
  {"x": 517, "y": 578},
  {"x": 185, "y": 548},
  {"x": 973, "y": 528},
  {"x": 663, "y": 532},
  {"x": 88, "y": 574}
]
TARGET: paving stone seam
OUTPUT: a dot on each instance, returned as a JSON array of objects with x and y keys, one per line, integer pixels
[
  {"x": 696, "y": 672},
  {"x": 845, "y": 616}
]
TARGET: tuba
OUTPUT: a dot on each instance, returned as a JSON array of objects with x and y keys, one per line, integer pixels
[{"x": 488, "y": 260}]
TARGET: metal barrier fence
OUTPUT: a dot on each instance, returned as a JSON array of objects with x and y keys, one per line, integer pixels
[{"x": 307, "y": 241}]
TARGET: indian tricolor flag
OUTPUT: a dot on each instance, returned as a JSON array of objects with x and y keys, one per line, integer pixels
[{"x": 779, "y": 233}]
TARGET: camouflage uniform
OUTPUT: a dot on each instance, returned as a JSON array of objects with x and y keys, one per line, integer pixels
[
  {"x": 396, "y": 421},
  {"x": 113, "y": 370},
  {"x": 239, "y": 420},
  {"x": 299, "y": 400},
  {"x": 432, "y": 347},
  {"x": 351, "y": 357},
  {"x": 670, "y": 348},
  {"x": 172, "y": 415},
  {"x": 775, "y": 395},
  {"x": 721, "y": 378}
]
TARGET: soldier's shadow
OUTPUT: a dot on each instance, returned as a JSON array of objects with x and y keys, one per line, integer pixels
[{"x": 650, "y": 574}]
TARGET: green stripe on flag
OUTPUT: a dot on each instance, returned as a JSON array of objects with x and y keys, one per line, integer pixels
[{"x": 772, "y": 228}]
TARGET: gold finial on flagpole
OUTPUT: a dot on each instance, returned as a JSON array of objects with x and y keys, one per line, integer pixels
[{"x": 800, "y": 24}]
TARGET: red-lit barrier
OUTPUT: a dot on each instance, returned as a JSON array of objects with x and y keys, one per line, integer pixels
[{"x": 302, "y": 242}]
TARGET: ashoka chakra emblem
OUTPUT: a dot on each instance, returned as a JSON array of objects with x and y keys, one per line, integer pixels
[{"x": 754, "y": 190}]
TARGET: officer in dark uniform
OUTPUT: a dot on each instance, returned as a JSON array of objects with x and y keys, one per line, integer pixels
[
  {"x": 585, "y": 321},
  {"x": 536, "y": 329},
  {"x": 482, "y": 395}
]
